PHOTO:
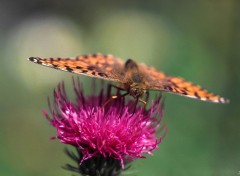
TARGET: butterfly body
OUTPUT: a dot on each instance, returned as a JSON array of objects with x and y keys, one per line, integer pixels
[{"x": 135, "y": 78}]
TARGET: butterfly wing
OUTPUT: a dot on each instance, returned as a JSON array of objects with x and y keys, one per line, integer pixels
[
  {"x": 159, "y": 81},
  {"x": 95, "y": 65}
]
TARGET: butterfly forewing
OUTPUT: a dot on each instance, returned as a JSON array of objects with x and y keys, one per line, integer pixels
[
  {"x": 156, "y": 80},
  {"x": 96, "y": 65}
]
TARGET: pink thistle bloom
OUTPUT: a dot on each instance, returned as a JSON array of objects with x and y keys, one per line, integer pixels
[{"x": 112, "y": 131}]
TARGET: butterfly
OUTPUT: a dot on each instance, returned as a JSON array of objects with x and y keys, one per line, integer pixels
[{"x": 136, "y": 79}]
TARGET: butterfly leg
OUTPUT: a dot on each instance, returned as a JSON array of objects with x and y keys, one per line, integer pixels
[
  {"x": 109, "y": 89},
  {"x": 136, "y": 102},
  {"x": 147, "y": 96},
  {"x": 142, "y": 101},
  {"x": 114, "y": 97},
  {"x": 135, "y": 106},
  {"x": 117, "y": 87}
]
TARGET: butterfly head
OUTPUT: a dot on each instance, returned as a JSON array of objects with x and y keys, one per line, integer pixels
[{"x": 136, "y": 91}]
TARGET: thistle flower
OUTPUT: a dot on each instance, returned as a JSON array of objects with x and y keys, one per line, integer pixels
[{"x": 119, "y": 132}]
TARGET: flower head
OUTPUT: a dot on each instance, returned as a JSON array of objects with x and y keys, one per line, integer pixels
[{"x": 119, "y": 130}]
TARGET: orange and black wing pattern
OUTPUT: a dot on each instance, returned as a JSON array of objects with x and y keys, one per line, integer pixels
[
  {"x": 94, "y": 65},
  {"x": 113, "y": 69},
  {"x": 156, "y": 80}
]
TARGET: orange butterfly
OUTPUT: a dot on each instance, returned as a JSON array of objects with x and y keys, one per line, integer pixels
[{"x": 135, "y": 78}]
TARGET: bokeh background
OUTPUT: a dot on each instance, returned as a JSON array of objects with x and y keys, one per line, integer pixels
[{"x": 198, "y": 40}]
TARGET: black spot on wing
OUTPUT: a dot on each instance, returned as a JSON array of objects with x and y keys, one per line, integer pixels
[
  {"x": 184, "y": 92},
  {"x": 103, "y": 74},
  {"x": 207, "y": 97},
  {"x": 91, "y": 68},
  {"x": 31, "y": 58},
  {"x": 85, "y": 56},
  {"x": 196, "y": 95},
  {"x": 78, "y": 67},
  {"x": 35, "y": 60},
  {"x": 94, "y": 55},
  {"x": 168, "y": 88},
  {"x": 69, "y": 69}
]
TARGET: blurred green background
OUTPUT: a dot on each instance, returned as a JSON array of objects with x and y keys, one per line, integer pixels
[{"x": 198, "y": 40}]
